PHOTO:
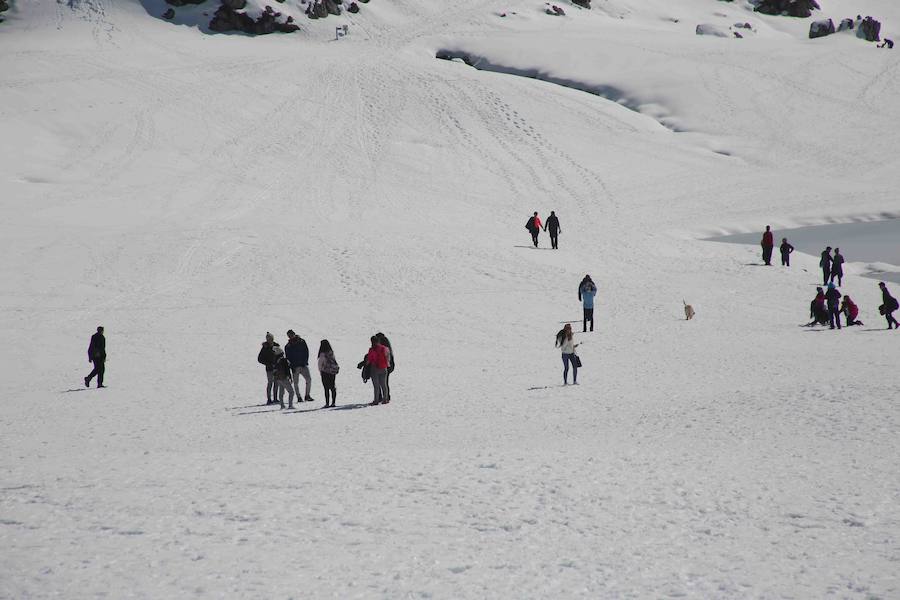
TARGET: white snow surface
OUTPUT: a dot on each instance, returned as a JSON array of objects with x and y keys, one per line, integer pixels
[{"x": 191, "y": 191}]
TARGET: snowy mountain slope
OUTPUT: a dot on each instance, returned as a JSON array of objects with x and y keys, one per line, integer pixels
[{"x": 191, "y": 192}]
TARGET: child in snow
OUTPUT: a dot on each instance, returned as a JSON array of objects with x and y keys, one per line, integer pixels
[
  {"x": 786, "y": 250},
  {"x": 565, "y": 341},
  {"x": 283, "y": 378}
]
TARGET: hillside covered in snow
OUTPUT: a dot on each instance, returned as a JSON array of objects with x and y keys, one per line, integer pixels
[{"x": 191, "y": 187}]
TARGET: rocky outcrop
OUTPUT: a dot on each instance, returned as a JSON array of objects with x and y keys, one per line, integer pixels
[
  {"x": 846, "y": 25},
  {"x": 821, "y": 28},
  {"x": 4, "y": 5},
  {"x": 169, "y": 14},
  {"x": 229, "y": 19},
  {"x": 790, "y": 8},
  {"x": 353, "y": 8},
  {"x": 319, "y": 9},
  {"x": 184, "y": 2},
  {"x": 869, "y": 30},
  {"x": 555, "y": 11},
  {"x": 582, "y": 3}
]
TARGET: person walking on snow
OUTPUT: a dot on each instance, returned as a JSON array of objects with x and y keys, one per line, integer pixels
[
  {"x": 552, "y": 226},
  {"x": 767, "y": 243},
  {"x": 97, "y": 355},
  {"x": 328, "y": 370},
  {"x": 833, "y": 298},
  {"x": 297, "y": 353},
  {"x": 378, "y": 359},
  {"x": 534, "y": 228},
  {"x": 888, "y": 306},
  {"x": 267, "y": 358},
  {"x": 382, "y": 339},
  {"x": 837, "y": 266},
  {"x": 282, "y": 373},
  {"x": 786, "y": 250},
  {"x": 851, "y": 311},
  {"x": 825, "y": 263},
  {"x": 565, "y": 341},
  {"x": 586, "y": 292}
]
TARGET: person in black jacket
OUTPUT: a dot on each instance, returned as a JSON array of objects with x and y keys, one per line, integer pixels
[
  {"x": 786, "y": 250},
  {"x": 817, "y": 311},
  {"x": 825, "y": 263},
  {"x": 283, "y": 378},
  {"x": 97, "y": 355},
  {"x": 552, "y": 226},
  {"x": 833, "y": 299},
  {"x": 267, "y": 358},
  {"x": 888, "y": 306},
  {"x": 837, "y": 266},
  {"x": 297, "y": 353}
]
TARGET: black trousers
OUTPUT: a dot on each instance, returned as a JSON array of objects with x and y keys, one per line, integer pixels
[
  {"x": 767, "y": 254},
  {"x": 834, "y": 316},
  {"x": 534, "y": 237},
  {"x": 826, "y": 273},
  {"x": 554, "y": 239},
  {"x": 588, "y": 316},
  {"x": 99, "y": 369},
  {"x": 785, "y": 259},
  {"x": 328, "y": 384}
]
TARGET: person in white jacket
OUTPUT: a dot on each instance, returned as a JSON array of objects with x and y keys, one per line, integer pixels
[{"x": 565, "y": 341}]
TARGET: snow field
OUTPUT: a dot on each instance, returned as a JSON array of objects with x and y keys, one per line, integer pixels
[{"x": 192, "y": 192}]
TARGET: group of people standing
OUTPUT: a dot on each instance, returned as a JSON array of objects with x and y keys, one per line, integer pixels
[
  {"x": 533, "y": 225},
  {"x": 828, "y": 305},
  {"x": 284, "y": 368}
]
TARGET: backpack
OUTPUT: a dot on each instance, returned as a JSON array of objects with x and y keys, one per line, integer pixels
[{"x": 529, "y": 225}]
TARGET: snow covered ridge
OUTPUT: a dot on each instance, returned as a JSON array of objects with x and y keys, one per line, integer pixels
[{"x": 254, "y": 17}]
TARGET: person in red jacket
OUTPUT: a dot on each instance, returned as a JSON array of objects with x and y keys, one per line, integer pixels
[
  {"x": 767, "y": 243},
  {"x": 851, "y": 311},
  {"x": 378, "y": 360},
  {"x": 534, "y": 228}
]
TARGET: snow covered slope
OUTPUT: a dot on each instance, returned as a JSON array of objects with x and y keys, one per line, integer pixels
[{"x": 191, "y": 192}]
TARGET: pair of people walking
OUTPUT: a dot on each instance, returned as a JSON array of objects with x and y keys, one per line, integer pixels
[
  {"x": 832, "y": 266},
  {"x": 768, "y": 243},
  {"x": 377, "y": 365},
  {"x": 285, "y": 367},
  {"x": 533, "y": 225}
]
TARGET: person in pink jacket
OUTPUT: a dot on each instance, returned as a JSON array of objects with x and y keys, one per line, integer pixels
[{"x": 378, "y": 360}]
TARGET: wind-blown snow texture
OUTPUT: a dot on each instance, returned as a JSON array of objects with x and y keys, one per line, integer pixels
[{"x": 191, "y": 192}]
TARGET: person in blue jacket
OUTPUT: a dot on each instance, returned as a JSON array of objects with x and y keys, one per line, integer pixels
[
  {"x": 297, "y": 353},
  {"x": 586, "y": 292}
]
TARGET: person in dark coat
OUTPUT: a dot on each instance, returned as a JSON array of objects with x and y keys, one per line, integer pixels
[
  {"x": 767, "y": 243},
  {"x": 888, "y": 306},
  {"x": 837, "y": 266},
  {"x": 297, "y": 353},
  {"x": 97, "y": 355},
  {"x": 552, "y": 227},
  {"x": 817, "y": 311},
  {"x": 825, "y": 263},
  {"x": 283, "y": 378},
  {"x": 833, "y": 299},
  {"x": 786, "y": 250},
  {"x": 268, "y": 358},
  {"x": 382, "y": 339}
]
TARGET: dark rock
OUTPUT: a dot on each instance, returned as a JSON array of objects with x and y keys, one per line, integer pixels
[
  {"x": 229, "y": 19},
  {"x": 791, "y": 8},
  {"x": 169, "y": 14},
  {"x": 821, "y": 28},
  {"x": 737, "y": 35},
  {"x": 364, "y": 1},
  {"x": 353, "y": 8},
  {"x": 888, "y": 43},
  {"x": 556, "y": 11},
  {"x": 582, "y": 3},
  {"x": 845, "y": 25},
  {"x": 184, "y": 2},
  {"x": 332, "y": 8},
  {"x": 4, "y": 5},
  {"x": 235, "y": 4},
  {"x": 869, "y": 30}
]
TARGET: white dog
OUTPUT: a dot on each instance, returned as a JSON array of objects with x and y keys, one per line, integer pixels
[{"x": 688, "y": 310}]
